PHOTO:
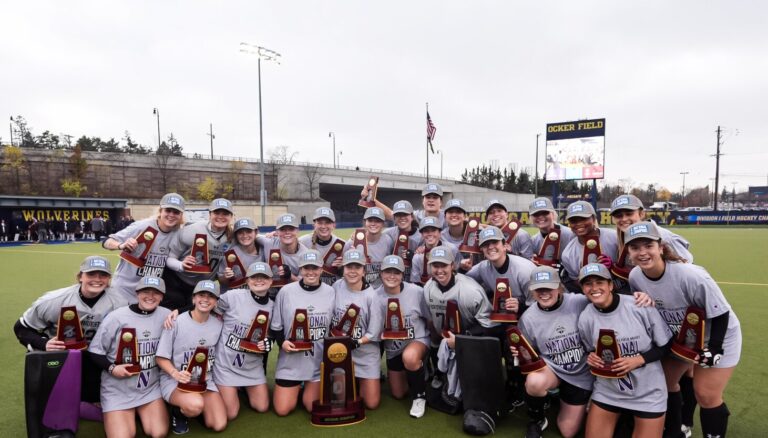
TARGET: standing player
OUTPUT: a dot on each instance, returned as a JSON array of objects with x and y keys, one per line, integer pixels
[
  {"x": 218, "y": 233},
  {"x": 295, "y": 367},
  {"x": 322, "y": 238},
  {"x": 353, "y": 289},
  {"x": 496, "y": 214},
  {"x": 379, "y": 244},
  {"x": 404, "y": 222},
  {"x": 544, "y": 217},
  {"x": 430, "y": 236},
  {"x": 455, "y": 222},
  {"x": 582, "y": 219},
  {"x": 431, "y": 202},
  {"x": 37, "y": 327},
  {"x": 247, "y": 249},
  {"x": 168, "y": 222},
  {"x": 195, "y": 328},
  {"x": 287, "y": 241},
  {"x": 405, "y": 358},
  {"x": 124, "y": 395},
  {"x": 643, "y": 339},
  {"x": 235, "y": 367},
  {"x": 675, "y": 286}
]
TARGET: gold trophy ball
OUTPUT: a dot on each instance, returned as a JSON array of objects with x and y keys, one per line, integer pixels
[
  {"x": 392, "y": 307},
  {"x": 591, "y": 243},
  {"x": 501, "y": 287},
  {"x": 275, "y": 257},
  {"x": 337, "y": 247},
  {"x": 300, "y": 317},
  {"x": 360, "y": 236},
  {"x": 606, "y": 340},
  {"x": 69, "y": 315},
  {"x": 261, "y": 319},
  {"x": 372, "y": 182},
  {"x": 351, "y": 313},
  {"x": 402, "y": 238},
  {"x": 127, "y": 337},
  {"x": 148, "y": 235},
  {"x": 231, "y": 258},
  {"x": 514, "y": 338},
  {"x": 473, "y": 223},
  {"x": 200, "y": 241},
  {"x": 692, "y": 318},
  {"x": 553, "y": 236},
  {"x": 513, "y": 226},
  {"x": 199, "y": 357},
  {"x": 337, "y": 352}
]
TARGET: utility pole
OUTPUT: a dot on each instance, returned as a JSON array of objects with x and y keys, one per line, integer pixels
[
  {"x": 536, "y": 175},
  {"x": 333, "y": 136},
  {"x": 682, "y": 198},
  {"x": 717, "y": 167},
  {"x": 156, "y": 112},
  {"x": 210, "y": 134}
]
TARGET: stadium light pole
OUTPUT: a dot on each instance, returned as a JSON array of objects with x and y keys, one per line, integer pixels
[
  {"x": 333, "y": 136},
  {"x": 338, "y": 158},
  {"x": 536, "y": 166},
  {"x": 156, "y": 112},
  {"x": 682, "y": 198},
  {"x": 210, "y": 134},
  {"x": 439, "y": 152},
  {"x": 267, "y": 55}
]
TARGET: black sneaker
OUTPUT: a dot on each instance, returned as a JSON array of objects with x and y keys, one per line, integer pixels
[
  {"x": 536, "y": 428},
  {"x": 179, "y": 423}
]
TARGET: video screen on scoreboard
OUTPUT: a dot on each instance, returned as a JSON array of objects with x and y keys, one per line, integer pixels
[{"x": 575, "y": 150}]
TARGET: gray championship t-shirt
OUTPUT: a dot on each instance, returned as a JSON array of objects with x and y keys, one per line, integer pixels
[
  {"x": 415, "y": 316},
  {"x": 289, "y": 259},
  {"x": 516, "y": 269},
  {"x": 376, "y": 252},
  {"x": 683, "y": 285},
  {"x": 474, "y": 307},
  {"x": 418, "y": 264},
  {"x": 555, "y": 335},
  {"x": 181, "y": 247},
  {"x": 308, "y": 242},
  {"x": 319, "y": 303},
  {"x": 574, "y": 252},
  {"x": 522, "y": 244},
  {"x": 420, "y": 214},
  {"x": 637, "y": 329},
  {"x": 127, "y": 276},
  {"x": 370, "y": 322},
  {"x": 179, "y": 343},
  {"x": 235, "y": 366},
  {"x": 140, "y": 389}
]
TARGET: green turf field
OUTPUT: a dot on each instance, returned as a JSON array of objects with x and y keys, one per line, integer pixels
[{"x": 736, "y": 257}]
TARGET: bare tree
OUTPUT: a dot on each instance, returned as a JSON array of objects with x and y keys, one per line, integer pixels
[
  {"x": 165, "y": 159},
  {"x": 279, "y": 158},
  {"x": 311, "y": 180}
]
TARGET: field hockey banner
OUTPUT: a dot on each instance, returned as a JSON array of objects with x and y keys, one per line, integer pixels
[
  {"x": 751, "y": 217},
  {"x": 575, "y": 150}
]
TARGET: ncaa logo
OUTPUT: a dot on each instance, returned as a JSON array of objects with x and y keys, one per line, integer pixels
[
  {"x": 431, "y": 187},
  {"x": 260, "y": 268},
  {"x": 621, "y": 201},
  {"x": 174, "y": 200},
  {"x": 98, "y": 263},
  {"x": 391, "y": 260},
  {"x": 591, "y": 269},
  {"x": 543, "y": 276},
  {"x": 429, "y": 221},
  {"x": 540, "y": 204},
  {"x": 325, "y": 211},
  {"x": 222, "y": 203},
  {"x": 242, "y": 223},
  {"x": 353, "y": 255},
  {"x": 310, "y": 256},
  {"x": 149, "y": 281},
  {"x": 488, "y": 232},
  {"x": 637, "y": 229},
  {"x": 376, "y": 210},
  {"x": 400, "y": 205},
  {"x": 454, "y": 203}
]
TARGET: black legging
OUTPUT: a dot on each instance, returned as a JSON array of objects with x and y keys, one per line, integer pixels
[{"x": 178, "y": 294}]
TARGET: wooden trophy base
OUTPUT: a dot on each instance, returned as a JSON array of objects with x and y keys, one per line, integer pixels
[
  {"x": 252, "y": 347},
  {"x": 76, "y": 345},
  {"x": 685, "y": 353},
  {"x": 466, "y": 249},
  {"x": 199, "y": 269},
  {"x": 135, "y": 261},
  {"x": 606, "y": 373},
  {"x": 532, "y": 367},
  {"x": 192, "y": 387},
  {"x": 302, "y": 345},
  {"x": 331, "y": 270},
  {"x": 133, "y": 369},
  {"x": 394, "y": 335},
  {"x": 366, "y": 204},
  {"x": 504, "y": 317},
  {"x": 328, "y": 416}
]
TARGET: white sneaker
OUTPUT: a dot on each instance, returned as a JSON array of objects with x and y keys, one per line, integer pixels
[
  {"x": 418, "y": 407},
  {"x": 686, "y": 430}
]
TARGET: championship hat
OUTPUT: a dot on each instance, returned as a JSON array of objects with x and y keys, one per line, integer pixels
[
  {"x": 324, "y": 212},
  {"x": 440, "y": 254},
  {"x": 311, "y": 258},
  {"x": 626, "y": 202},
  {"x": 594, "y": 270},
  {"x": 456, "y": 204},
  {"x": 642, "y": 230},
  {"x": 495, "y": 202},
  {"x": 393, "y": 262},
  {"x": 245, "y": 223},
  {"x": 212, "y": 287},
  {"x": 172, "y": 200},
  {"x": 490, "y": 233},
  {"x": 544, "y": 277},
  {"x": 580, "y": 209},
  {"x": 353, "y": 256},
  {"x": 402, "y": 207},
  {"x": 221, "y": 204},
  {"x": 96, "y": 263},
  {"x": 287, "y": 220},
  {"x": 259, "y": 268},
  {"x": 429, "y": 222},
  {"x": 374, "y": 213},
  {"x": 432, "y": 189},
  {"x": 151, "y": 283},
  {"x": 539, "y": 205}
]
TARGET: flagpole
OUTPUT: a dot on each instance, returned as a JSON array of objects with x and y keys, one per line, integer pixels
[{"x": 427, "y": 145}]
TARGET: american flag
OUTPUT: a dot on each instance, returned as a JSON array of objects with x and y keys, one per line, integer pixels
[{"x": 431, "y": 130}]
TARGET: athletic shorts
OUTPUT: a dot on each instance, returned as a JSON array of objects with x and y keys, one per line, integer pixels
[
  {"x": 285, "y": 383},
  {"x": 573, "y": 395},
  {"x": 632, "y": 412},
  {"x": 396, "y": 363}
]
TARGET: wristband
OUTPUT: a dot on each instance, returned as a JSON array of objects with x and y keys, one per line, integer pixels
[{"x": 111, "y": 368}]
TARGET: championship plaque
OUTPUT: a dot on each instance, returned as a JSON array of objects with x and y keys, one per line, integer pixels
[
  {"x": 608, "y": 350},
  {"x": 452, "y": 320},
  {"x": 690, "y": 341},
  {"x": 200, "y": 253},
  {"x": 500, "y": 295},
  {"x": 360, "y": 243},
  {"x": 234, "y": 263},
  {"x": 257, "y": 333},
  {"x": 138, "y": 257},
  {"x": 549, "y": 252},
  {"x": 526, "y": 355},
  {"x": 300, "y": 331},
  {"x": 128, "y": 351},
  {"x": 335, "y": 251},
  {"x": 401, "y": 247},
  {"x": 69, "y": 330},
  {"x": 198, "y": 368},
  {"x": 369, "y": 200},
  {"x": 275, "y": 261},
  {"x": 339, "y": 404},
  {"x": 346, "y": 324},
  {"x": 591, "y": 250},
  {"x": 471, "y": 244},
  {"x": 425, "y": 267},
  {"x": 621, "y": 268},
  {"x": 510, "y": 230},
  {"x": 394, "y": 327}
]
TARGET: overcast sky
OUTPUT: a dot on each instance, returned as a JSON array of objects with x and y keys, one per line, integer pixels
[{"x": 663, "y": 74}]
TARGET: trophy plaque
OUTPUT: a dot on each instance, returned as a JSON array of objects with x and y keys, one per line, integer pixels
[
  {"x": 128, "y": 351},
  {"x": 500, "y": 295},
  {"x": 471, "y": 244},
  {"x": 549, "y": 253},
  {"x": 591, "y": 250},
  {"x": 360, "y": 243},
  {"x": 425, "y": 267},
  {"x": 401, "y": 247},
  {"x": 200, "y": 252},
  {"x": 452, "y": 319},
  {"x": 300, "y": 331},
  {"x": 275, "y": 261},
  {"x": 608, "y": 350},
  {"x": 138, "y": 257},
  {"x": 339, "y": 404},
  {"x": 690, "y": 341},
  {"x": 257, "y": 333},
  {"x": 234, "y": 263},
  {"x": 369, "y": 200},
  {"x": 198, "y": 368},
  {"x": 335, "y": 251},
  {"x": 69, "y": 330},
  {"x": 526, "y": 355},
  {"x": 621, "y": 268},
  {"x": 346, "y": 324},
  {"x": 394, "y": 327},
  {"x": 510, "y": 230}
]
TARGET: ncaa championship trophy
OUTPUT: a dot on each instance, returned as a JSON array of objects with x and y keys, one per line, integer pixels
[
  {"x": 608, "y": 350},
  {"x": 69, "y": 331},
  {"x": 527, "y": 357},
  {"x": 689, "y": 343},
  {"x": 339, "y": 404},
  {"x": 128, "y": 351},
  {"x": 257, "y": 332},
  {"x": 138, "y": 257},
  {"x": 198, "y": 368}
]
